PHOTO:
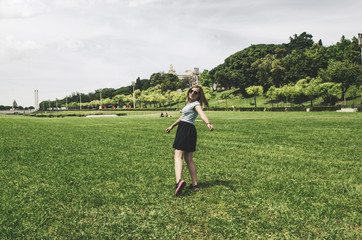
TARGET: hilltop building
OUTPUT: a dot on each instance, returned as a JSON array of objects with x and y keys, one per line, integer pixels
[{"x": 192, "y": 76}]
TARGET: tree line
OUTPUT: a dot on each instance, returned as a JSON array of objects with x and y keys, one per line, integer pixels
[
  {"x": 286, "y": 64},
  {"x": 295, "y": 71},
  {"x": 15, "y": 106},
  {"x": 152, "y": 91}
]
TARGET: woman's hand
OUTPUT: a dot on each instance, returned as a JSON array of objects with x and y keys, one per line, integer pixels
[
  {"x": 168, "y": 130},
  {"x": 210, "y": 127}
]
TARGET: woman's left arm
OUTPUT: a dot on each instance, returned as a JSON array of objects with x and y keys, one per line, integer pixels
[{"x": 204, "y": 117}]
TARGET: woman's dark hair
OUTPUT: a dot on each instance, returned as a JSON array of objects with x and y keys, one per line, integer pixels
[{"x": 202, "y": 99}]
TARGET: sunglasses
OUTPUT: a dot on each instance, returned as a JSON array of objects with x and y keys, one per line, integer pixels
[{"x": 193, "y": 92}]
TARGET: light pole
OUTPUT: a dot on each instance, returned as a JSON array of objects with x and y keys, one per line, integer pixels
[
  {"x": 36, "y": 100},
  {"x": 134, "y": 102},
  {"x": 100, "y": 98},
  {"x": 360, "y": 43},
  {"x": 80, "y": 101}
]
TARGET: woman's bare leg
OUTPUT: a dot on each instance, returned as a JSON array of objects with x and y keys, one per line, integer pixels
[
  {"x": 178, "y": 164},
  {"x": 191, "y": 166}
]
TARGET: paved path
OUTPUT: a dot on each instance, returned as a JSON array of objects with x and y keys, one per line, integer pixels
[
  {"x": 16, "y": 111},
  {"x": 348, "y": 110}
]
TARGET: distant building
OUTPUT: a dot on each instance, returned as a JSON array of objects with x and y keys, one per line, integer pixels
[{"x": 192, "y": 76}]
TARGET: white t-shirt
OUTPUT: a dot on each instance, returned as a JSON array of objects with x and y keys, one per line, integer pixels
[{"x": 189, "y": 113}]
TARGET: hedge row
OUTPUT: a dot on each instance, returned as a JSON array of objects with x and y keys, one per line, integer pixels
[
  {"x": 83, "y": 113},
  {"x": 276, "y": 109},
  {"x": 64, "y": 114}
]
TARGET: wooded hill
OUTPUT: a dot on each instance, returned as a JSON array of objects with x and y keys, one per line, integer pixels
[{"x": 279, "y": 71}]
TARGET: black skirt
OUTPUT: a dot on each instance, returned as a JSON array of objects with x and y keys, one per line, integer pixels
[{"x": 186, "y": 136}]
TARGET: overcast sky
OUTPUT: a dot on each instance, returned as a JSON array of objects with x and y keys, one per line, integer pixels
[{"x": 64, "y": 46}]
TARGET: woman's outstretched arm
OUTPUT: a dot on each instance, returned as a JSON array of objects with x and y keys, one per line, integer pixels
[
  {"x": 168, "y": 130},
  {"x": 204, "y": 117}
]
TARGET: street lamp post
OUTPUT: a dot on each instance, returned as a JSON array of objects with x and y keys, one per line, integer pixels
[
  {"x": 134, "y": 102},
  {"x": 360, "y": 43},
  {"x": 100, "y": 98},
  {"x": 80, "y": 101},
  {"x": 36, "y": 100}
]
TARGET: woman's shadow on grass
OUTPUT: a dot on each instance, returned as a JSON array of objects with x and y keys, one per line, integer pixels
[{"x": 208, "y": 184}]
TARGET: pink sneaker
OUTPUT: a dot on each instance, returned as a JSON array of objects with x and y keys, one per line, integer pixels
[{"x": 179, "y": 186}]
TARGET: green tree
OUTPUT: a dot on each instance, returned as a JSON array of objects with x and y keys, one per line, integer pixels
[
  {"x": 331, "y": 92},
  {"x": 152, "y": 94},
  {"x": 138, "y": 84},
  {"x": 236, "y": 71},
  {"x": 255, "y": 91},
  {"x": 129, "y": 99},
  {"x": 138, "y": 98},
  {"x": 274, "y": 94},
  {"x": 353, "y": 92},
  {"x": 160, "y": 99},
  {"x": 311, "y": 88},
  {"x": 145, "y": 84},
  {"x": 296, "y": 93},
  {"x": 94, "y": 103},
  {"x": 120, "y": 99},
  {"x": 317, "y": 57},
  {"x": 109, "y": 101},
  {"x": 15, "y": 105},
  {"x": 183, "y": 83},
  {"x": 296, "y": 67},
  {"x": 225, "y": 95},
  {"x": 288, "y": 91},
  {"x": 221, "y": 79},
  {"x": 123, "y": 90},
  {"x": 169, "y": 82},
  {"x": 178, "y": 97},
  {"x": 148, "y": 99},
  {"x": 106, "y": 93},
  {"x": 346, "y": 50},
  {"x": 205, "y": 79},
  {"x": 346, "y": 73},
  {"x": 300, "y": 42},
  {"x": 208, "y": 92},
  {"x": 156, "y": 79},
  {"x": 169, "y": 97},
  {"x": 270, "y": 71},
  {"x": 291, "y": 92},
  {"x": 142, "y": 99}
]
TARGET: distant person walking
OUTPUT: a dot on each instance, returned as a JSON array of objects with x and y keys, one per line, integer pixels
[{"x": 185, "y": 140}]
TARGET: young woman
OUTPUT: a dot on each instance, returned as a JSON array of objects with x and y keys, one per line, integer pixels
[{"x": 185, "y": 140}]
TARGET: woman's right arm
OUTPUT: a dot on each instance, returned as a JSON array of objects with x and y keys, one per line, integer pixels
[{"x": 168, "y": 130}]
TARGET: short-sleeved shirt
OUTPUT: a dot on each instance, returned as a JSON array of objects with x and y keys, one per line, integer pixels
[{"x": 189, "y": 113}]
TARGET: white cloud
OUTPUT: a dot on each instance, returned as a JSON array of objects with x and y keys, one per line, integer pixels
[
  {"x": 136, "y": 3},
  {"x": 21, "y": 8},
  {"x": 12, "y": 49}
]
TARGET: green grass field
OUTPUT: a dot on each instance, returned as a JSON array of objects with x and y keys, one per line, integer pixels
[{"x": 262, "y": 175}]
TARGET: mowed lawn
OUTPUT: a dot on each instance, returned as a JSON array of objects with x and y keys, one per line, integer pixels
[{"x": 262, "y": 175}]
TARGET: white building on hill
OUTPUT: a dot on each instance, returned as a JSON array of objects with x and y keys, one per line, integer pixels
[{"x": 192, "y": 76}]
